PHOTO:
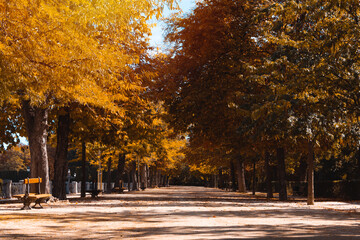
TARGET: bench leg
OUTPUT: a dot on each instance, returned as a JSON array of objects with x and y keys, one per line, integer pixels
[
  {"x": 26, "y": 204},
  {"x": 38, "y": 206},
  {"x": 37, "y": 203}
]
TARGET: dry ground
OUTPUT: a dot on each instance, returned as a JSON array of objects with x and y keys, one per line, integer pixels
[{"x": 181, "y": 213}]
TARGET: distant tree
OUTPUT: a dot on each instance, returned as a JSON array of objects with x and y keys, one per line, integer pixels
[{"x": 15, "y": 158}]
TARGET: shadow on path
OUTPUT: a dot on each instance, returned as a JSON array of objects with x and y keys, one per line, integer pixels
[{"x": 180, "y": 213}]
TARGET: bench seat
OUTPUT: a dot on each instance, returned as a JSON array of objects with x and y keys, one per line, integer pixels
[{"x": 40, "y": 196}]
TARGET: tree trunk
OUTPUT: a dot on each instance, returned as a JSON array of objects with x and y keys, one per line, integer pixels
[
  {"x": 164, "y": 180},
  {"x": 280, "y": 153},
  {"x": 120, "y": 170},
  {"x": 157, "y": 178},
  {"x": 241, "y": 176},
  {"x": 61, "y": 160},
  {"x": 143, "y": 177},
  {"x": 215, "y": 181},
  {"x": 254, "y": 177},
  {"x": 310, "y": 197},
  {"x": 147, "y": 176},
  {"x": 36, "y": 123},
  {"x": 221, "y": 179},
  {"x": 358, "y": 164},
  {"x": 83, "y": 160},
  {"x": 138, "y": 175},
  {"x": 161, "y": 180},
  {"x": 108, "y": 184},
  {"x": 134, "y": 177},
  {"x": 168, "y": 181},
  {"x": 151, "y": 174},
  {"x": 302, "y": 170},
  {"x": 268, "y": 176},
  {"x": 129, "y": 180},
  {"x": 233, "y": 177}
]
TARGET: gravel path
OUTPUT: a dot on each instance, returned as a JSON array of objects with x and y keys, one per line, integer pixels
[{"x": 181, "y": 213}]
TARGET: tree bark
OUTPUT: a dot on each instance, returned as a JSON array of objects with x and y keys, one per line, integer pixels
[
  {"x": 129, "y": 180},
  {"x": 61, "y": 160},
  {"x": 151, "y": 177},
  {"x": 233, "y": 177},
  {"x": 108, "y": 176},
  {"x": 134, "y": 177},
  {"x": 167, "y": 181},
  {"x": 160, "y": 179},
  {"x": 241, "y": 176},
  {"x": 303, "y": 169},
  {"x": 164, "y": 180},
  {"x": 143, "y": 177},
  {"x": 157, "y": 177},
  {"x": 280, "y": 153},
  {"x": 83, "y": 160},
  {"x": 120, "y": 170},
  {"x": 147, "y": 169},
  {"x": 36, "y": 123},
  {"x": 138, "y": 174},
  {"x": 358, "y": 164},
  {"x": 310, "y": 196},
  {"x": 215, "y": 181},
  {"x": 268, "y": 176},
  {"x": 254, "y": 177},
  {"x": 221, "y": 179}
]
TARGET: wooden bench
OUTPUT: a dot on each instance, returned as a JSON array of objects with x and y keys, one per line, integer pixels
[
  {"x": 29, "y": 198},
  {"x": 118, "y": 189},
  {"x": 94, "y": 192}
]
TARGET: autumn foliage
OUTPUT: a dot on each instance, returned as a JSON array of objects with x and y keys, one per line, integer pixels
[
  {"x": 262, "y": 81},
  {"x": 244, "y": 84}
]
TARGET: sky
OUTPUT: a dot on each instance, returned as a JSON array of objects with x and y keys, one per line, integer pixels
[{"x": 156, "y": 40}]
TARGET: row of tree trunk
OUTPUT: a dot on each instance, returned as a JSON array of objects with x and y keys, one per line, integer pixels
[
  {"x": 219, "y": 182},
  {"x": 36, "y": 122}
]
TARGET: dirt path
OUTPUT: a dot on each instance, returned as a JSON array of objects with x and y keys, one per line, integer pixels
[{"x": 181, "y": 213}]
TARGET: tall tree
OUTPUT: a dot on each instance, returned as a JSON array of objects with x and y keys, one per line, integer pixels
[
  {"x": 315, "y": 66},
  {"x": 66, "y": 52},
  {"x": 206, "y": 78}
]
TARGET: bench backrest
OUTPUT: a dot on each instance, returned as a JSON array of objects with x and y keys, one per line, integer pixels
[
  {"x": 29, "y": 181},
  {"x": 33, "y": 180}
]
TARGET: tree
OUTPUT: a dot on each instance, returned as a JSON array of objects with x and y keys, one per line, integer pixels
[
  {"x": 314, "y": 63},
  {"x": 10, "y": 125},
  {"x": 15, "y": 158},
  {"x": 63, "y": 52},
  {"x": 206, "y": 83}
]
